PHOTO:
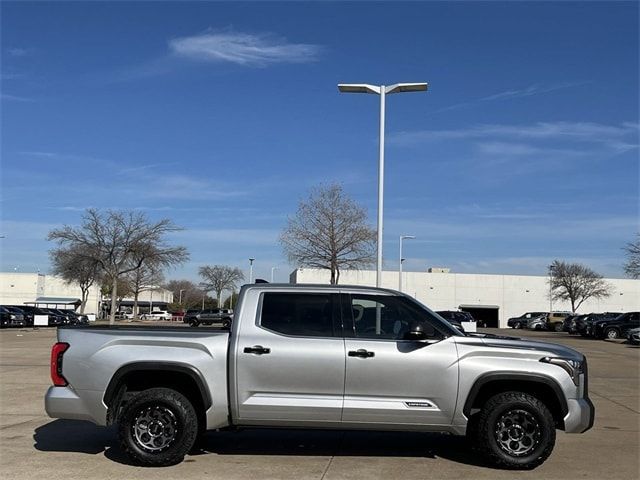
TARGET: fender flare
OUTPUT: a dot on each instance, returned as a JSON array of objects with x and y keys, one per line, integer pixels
[
  {"x": 533, "y": 378},
  {"x": 193, "y": 373}
]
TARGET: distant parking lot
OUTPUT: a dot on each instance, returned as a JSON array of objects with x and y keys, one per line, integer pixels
[{"x": 35, "y": 446}]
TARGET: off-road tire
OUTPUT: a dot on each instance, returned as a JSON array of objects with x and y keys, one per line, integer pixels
[
  {"x": 186, "y": 427},
  {"x": 485, "y": 430}
]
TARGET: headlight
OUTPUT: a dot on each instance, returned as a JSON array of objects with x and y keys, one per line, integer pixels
[{"x": 573, "y": 367}]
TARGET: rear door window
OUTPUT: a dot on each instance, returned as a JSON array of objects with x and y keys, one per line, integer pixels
[{"x": 301, "y": 314}]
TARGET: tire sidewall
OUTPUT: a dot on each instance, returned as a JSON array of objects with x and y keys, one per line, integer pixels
[
  {"x": 186, "y": 421},
  {"x": 547, "y": 431}
]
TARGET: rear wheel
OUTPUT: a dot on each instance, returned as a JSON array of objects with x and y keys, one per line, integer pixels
[
  {"x": 612, "y": 333},
  {"x": 558, "y": 327},
  {"x": 158, "y": 427},
  {"x": 515, "y": 430}
]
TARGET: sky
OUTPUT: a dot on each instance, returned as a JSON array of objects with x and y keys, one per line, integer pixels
[{"x": 223, "y": 116}]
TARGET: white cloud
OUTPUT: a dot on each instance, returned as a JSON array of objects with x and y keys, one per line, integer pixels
[
  {"x": 616, "y": 138},
  {"x": 18, "y": 52},
  {"x": 15, "y": 98},
  {"x": 529, "y": 91},
  {"x": 242, "y": 49}
]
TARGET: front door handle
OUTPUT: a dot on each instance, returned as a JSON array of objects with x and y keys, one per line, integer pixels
[
  {"x": 362, "y": 353},
  {"x": 257, "y": 349}
]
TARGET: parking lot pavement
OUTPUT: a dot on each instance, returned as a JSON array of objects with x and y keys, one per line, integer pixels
[{"x": 33, "y": 446}]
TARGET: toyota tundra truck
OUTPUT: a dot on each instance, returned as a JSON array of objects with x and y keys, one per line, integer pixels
[{"x": 330, "y": 357}]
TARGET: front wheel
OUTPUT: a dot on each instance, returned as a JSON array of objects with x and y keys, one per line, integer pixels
[
  {"x": 558, "y": 327},
  {"x": 158, "y": 427},
  {"x": 517, "y": 325},
  {"x": 515, "y": 430}
]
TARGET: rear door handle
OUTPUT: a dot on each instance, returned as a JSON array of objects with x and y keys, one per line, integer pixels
[
  {"x": 257, "y": 349},
  {"x": 362, "y": 353}
]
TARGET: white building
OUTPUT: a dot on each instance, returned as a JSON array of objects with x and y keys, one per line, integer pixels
[
  {"x": 17, "y": 288},
  {"x": 492, "y": 299}
]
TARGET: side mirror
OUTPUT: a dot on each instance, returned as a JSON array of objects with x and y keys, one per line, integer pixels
[{"x": 420, "y": 331}]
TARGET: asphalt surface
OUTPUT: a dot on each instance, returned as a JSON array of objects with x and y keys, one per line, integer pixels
[{"x": 33, "y": 446}]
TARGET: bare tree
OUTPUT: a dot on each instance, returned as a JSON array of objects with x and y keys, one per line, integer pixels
[
  {"x": 219, "y": 278},
  {"x": 120, "y": 242},
  {"x": 191, "y": 294},
  {"x": 146, "y": 277},
  {"x": 329, "y": 231},
  {"x": 75, "y": 266},
  {"x": 576, "y": 283},
  {"x": 632, "y": 266}
]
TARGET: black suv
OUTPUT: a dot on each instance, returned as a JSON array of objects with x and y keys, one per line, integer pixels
[
  {"x": 522, "y": 320},
  {"x": 54, "y": 319},
  {"x": 616, "y": 327},
  {"x": 570, "y": 323},
  {"x": 11, "y": 319},
  {"x": 209, "y": 317}
]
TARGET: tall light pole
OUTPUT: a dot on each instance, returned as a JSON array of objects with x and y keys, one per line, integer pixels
[
  {"x": 180, "y": 295},
  {"x": 551, "y": 268},
  {"x": 381, "y": 90},
  {"x": 251, "y": 270},
  {"x": 402, "y": 237},
  {"x": 272, "y": 270}
]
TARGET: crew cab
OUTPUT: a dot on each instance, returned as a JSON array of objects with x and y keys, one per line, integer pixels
[{"x": 306, "y": 356}]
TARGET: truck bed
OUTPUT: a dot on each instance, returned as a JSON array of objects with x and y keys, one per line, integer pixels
[{"x": 98, "y": 352}]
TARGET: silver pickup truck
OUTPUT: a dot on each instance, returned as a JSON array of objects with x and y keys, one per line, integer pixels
[{"x": 320, "y": 357}]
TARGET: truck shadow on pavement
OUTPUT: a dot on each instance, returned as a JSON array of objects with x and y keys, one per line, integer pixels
[{"x": 84, "y": 437}]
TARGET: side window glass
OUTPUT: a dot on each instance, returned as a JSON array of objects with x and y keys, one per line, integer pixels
[
  {"x": 300, "y": 314},
  {"x": 388, "y": 317}
]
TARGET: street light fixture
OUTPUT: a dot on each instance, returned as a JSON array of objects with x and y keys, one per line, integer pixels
[
  {"x": 381, "y": 90},
  {"x": 251, "y": 270},
  {"x": 402, "y": 237}
]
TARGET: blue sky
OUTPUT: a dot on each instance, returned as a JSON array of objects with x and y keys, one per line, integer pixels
[{"x": 222, "y": 116}]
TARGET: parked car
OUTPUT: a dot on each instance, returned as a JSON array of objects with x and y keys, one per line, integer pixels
[
  {"x": 616, "y": 327},
  {"x": 538, "y": 323},
  {"x": 555, "y": 320},
  {"x": 157, "y": 315},
  {"x": 222, "y": 316},
  {"x": 190, "y": 315},
  {"x": 53, "y": 319},
  {"x": 28, "y": 317},
  {"x": 586, "y": 329},
  {"x": 11, "y": 319},
  {"x": 633, "y": 336},
  {"x": 455, "y": 318},
  {"x": 521, "y": 321},
  {"x": 570, "y": 323},
  {"x": 305, "y": 356},
  {"x": 73, "y": 317}
]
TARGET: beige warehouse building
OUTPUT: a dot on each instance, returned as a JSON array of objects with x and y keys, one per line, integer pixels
[{"x": 492, "y": 299}]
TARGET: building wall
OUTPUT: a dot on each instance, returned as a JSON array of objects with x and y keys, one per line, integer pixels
[
  {"x": 16, "y": 288},
  {"x": 513, "y": 294}
]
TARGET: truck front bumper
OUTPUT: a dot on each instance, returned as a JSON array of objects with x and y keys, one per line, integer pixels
[
  {"x": 64, "y": 402},
  {"x": 581, "y": 415}
]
